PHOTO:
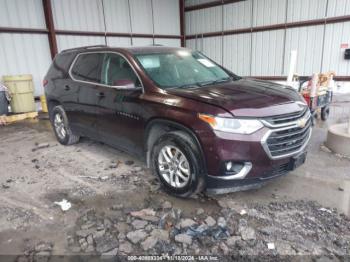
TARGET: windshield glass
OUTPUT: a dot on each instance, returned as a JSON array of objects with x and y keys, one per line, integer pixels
[{"x": 181, "y": 69}]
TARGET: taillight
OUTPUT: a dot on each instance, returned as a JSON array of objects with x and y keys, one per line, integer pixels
[{"x": 45, "y": 82}]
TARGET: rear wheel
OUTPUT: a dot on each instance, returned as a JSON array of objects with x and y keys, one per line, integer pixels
[
  {"x": 61, "y": 127},
  {"x": 176, "y": 161}
]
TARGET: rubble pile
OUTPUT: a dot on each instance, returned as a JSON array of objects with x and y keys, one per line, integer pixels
[{"x": 276, "y": 229}]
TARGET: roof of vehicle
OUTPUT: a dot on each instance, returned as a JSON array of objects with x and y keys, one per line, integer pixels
[
  {"x": 132, "y": 50},
  {"x": 154, "y": 49}
]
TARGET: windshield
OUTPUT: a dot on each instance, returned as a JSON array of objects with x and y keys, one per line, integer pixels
[{"x": 181, "y": 69}]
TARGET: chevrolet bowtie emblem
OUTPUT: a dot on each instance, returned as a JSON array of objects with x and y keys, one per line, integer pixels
[{"x": 301, "y": 122}]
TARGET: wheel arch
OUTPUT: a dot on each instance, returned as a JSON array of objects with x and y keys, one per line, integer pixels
[
  {"x": 51, "y": 103},
  {"x": 159, "y": 126}
]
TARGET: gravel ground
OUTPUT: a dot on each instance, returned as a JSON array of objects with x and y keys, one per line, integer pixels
[{"x": 117, "y": 206}]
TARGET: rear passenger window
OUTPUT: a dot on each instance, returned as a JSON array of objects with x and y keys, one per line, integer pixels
[
  {"x": 117, "y": 71},
  {"x": 87, "y": 67}
]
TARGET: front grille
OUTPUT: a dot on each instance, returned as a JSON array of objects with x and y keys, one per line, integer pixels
[
  {"x": 288, "y": 140},
  {"x": 287, "y": 118}
]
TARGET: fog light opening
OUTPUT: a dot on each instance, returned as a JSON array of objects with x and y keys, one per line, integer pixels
[
  {"x": 228, "y": 166},
  {"x": 233, "y": 167}
]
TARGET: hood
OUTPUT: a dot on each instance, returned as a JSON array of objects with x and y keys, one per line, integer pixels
[{"x": 246, "y": 97}]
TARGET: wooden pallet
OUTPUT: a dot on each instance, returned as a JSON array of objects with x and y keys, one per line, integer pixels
[{"x": 5, "y": 120}]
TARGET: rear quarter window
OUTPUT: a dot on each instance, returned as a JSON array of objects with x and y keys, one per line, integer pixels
[{"x": 87, "y": 67}]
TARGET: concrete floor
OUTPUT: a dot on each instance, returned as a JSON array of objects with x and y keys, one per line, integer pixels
[{"x": 93, "y": 175}]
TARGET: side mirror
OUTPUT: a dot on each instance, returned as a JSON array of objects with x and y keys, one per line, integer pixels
[{"x": 124, "y": 84}]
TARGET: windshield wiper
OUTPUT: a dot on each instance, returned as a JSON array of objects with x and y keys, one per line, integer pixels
[
  {"x": 221, "y": 80},
  {"x": 193, "y": 85},
  {"x": 200, "y": 84}
]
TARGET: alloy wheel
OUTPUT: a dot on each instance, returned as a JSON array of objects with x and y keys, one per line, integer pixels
[
  {"x": 174, "y": 166},
  {"x": 59, "y": 126}
]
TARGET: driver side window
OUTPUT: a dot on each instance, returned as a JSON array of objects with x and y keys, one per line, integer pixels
[{"x": 116, "y": 71}]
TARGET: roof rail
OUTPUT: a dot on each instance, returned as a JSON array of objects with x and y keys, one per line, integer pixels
[{"x": 83, "y": 48}]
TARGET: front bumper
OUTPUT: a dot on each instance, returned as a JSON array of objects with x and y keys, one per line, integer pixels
[
  {"x": 219, "y": 185},
  {"x": 246, "y": 149}
]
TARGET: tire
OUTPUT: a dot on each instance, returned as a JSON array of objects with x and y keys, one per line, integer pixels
[
  {"x": 181, "y": 141},
  {"x": 325, "y": 113},
  {"x": 65, "y": 137}
]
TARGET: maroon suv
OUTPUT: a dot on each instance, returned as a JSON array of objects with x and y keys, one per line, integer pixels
[{"x": 195, "y": 123}]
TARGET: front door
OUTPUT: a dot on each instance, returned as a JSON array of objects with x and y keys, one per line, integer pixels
[{"x": 120, "y": 121}]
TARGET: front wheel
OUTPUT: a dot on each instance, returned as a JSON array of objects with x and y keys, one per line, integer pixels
[
  {"x": 176, "y": 161},
  {"x": 61, "y": 127}
]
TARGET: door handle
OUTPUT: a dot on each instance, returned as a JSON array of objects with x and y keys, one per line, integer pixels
[
  {"x": 100, "y": 94},
  {"x": 66, "y": 87}
]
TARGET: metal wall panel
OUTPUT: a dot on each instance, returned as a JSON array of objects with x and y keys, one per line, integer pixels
[
  {"x": 204, "y": 20},
  {"x": 168, "y": 42},
  {"x": 166, "y": 17},
  {"x": 71, "y": 41},
  {"x": 119, "y": 41},
  {"x": 25, "y": 54},
  {"x": 191, "y": 44},
  {"x": 212, "y": 47},
  {"x": 268, "y": 12},
  {"x": 78, "y": 15},
  {"x": 142, "y": 41},
  {"x": 336, "y": 34},
  {"x": 197, "y": 2},
  {"x": 271, "y": 49},
  {"x": 141, "y": 16},
  {"x": 338, "y": 8},
  {"x": 308, "y": 42},
  {"x": 301, "y": 10},
  {"x": 22, "y": 13},
  {"x": 267, "y": 53},
  {"x": 238, "y": 15},
  {"x": 237, "y": 53},
  {"x": 117, "y": 16}
]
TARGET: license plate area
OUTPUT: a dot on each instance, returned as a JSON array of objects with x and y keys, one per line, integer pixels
[{"x": 297, "y": 161}]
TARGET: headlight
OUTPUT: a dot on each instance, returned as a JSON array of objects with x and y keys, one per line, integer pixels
[{"x": 232, "y": 125}]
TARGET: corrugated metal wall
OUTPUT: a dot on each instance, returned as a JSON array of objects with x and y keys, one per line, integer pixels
[
  {"x": 197, "y": 2},
  {"x": 237, "y": 54},
  {"x": 269, "y": 12},
  {"x": 122, "y": 16},
  {"x": 30, "y": 53},
  {"x": 333, "y": 59},
  {"x": 237, "y": 15},
  {"x": 267, "y": 53},
  {"x": 24, "y": 53},
  {"x": 19, "y": 13},
  {"x": 204, "y": 20},
  {"x": 308, "y": 41}
]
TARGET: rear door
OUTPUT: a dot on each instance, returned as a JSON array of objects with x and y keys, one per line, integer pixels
[
  {"x": 120, "y": 121},
  {"x": 86, "y": 76}
]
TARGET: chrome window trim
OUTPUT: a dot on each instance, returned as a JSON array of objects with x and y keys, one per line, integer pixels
[
  {"x": 99, "y": 84},
  {"x": 270, "y": 131}
]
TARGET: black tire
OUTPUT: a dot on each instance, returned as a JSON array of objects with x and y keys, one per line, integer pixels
[
  {"x": 325, "y": 113},
  {"x": 182, "y": 141},
  {"x": 70, "y": 138}
]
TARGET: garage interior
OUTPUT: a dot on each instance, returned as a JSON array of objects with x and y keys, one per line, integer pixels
[{"x": 91, "y": 199}]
